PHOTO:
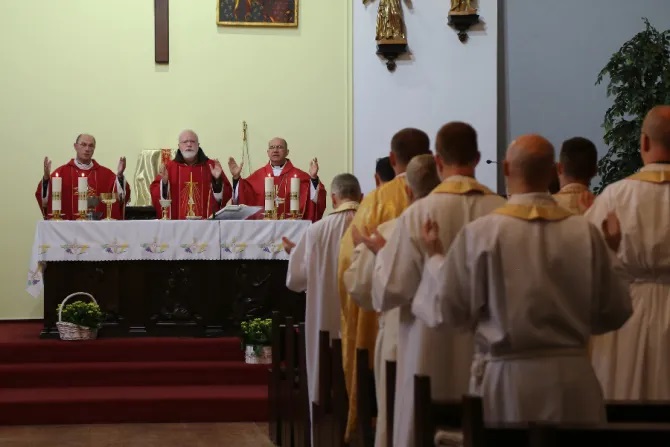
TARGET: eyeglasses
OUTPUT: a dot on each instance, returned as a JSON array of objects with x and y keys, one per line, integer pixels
[{"x": 275, "y": 147}]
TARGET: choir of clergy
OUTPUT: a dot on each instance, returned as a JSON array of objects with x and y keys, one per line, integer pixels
[{"x": 545, "y": 303}]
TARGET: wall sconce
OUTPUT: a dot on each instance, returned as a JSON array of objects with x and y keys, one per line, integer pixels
[
  {"x": 461, "y": 17},
  {"x": 390, "y": 50}
]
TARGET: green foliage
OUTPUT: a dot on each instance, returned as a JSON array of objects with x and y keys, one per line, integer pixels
[
  {"x": 84, "y": 314},
  {"x": 257, "y": 331},
  {"x": 639, "y": 79}
]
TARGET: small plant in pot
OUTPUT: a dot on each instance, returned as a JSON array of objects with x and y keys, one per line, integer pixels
[
  {"x": 256, "y": 339},
  {"x": 79, "y": 320}
]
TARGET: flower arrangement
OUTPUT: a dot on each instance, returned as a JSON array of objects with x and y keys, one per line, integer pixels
[
  {"x": 82, "y": 314},
  {"x": 257, "y": 332}
]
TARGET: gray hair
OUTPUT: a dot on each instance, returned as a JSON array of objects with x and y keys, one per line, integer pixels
[
  {"x": 189, "y": 131},
  {"x": 346, "y": 186},
  {"x": 422, "y": 175}
]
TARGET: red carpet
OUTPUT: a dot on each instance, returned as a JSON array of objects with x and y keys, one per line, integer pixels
[{"x": 126, "y": 380}]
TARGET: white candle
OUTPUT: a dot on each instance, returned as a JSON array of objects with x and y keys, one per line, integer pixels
[
  {"x": 295, "y": 194},
  {"x": 56, "y": 189},
  {"x": 269, "y": 193},
  {"x": 82, "y": 186}
]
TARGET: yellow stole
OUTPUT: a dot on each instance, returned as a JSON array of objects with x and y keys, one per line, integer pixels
[
  {"x": 461, "y": 187},
  {"x": 652, "y": 176},
  {"x": 346, "y": 206},
  {"x": 534, "y": 212}
]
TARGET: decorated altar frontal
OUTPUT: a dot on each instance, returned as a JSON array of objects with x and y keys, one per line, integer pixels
[{"x": 166, "y": 277}]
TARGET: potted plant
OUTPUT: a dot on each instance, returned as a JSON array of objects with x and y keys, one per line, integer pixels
[
  {"x": 79, "y": 320},
  {"x": 639, "y": 79},
  {"x": 256, "y": 339}
]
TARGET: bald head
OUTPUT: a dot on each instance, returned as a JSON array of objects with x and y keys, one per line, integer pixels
[
  {"x": 655, "y": 138},
  {"x": 530, "y": 162},
  {"x": 422, "y": 175}
]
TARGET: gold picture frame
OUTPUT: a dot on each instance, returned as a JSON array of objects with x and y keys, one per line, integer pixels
[{"x": 268, "y": 13}]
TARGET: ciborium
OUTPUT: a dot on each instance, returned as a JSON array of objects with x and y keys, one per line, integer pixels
[
  {"x": 165, "y": 205},
  {"x": 108, "y": 198}
]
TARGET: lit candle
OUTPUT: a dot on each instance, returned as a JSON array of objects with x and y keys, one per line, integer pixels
[
  {"x": 56, "y": 189},
  {"x": 295, "y": 194},
  {"x": 269, "y": 193},
  {"x": 82, "y": 187}
]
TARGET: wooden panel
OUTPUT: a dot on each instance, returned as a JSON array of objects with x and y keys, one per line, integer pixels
[{"x": 162, "y": 31}]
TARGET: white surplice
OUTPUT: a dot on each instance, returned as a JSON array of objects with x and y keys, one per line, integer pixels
[
  {"x": 533, "y": 289},
  {"x": 358, "y": 282},
  {"x": 442, "y": 354},
  {"x": 634, "y": 362},
  {"x": 312, "y": 268}
]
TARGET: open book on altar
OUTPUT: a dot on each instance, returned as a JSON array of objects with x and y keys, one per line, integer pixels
[{"x": 236, "y": 212}]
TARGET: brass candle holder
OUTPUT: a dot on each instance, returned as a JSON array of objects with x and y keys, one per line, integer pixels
[
  {"x": 108, "y": 198},
  {"x": 165, "y": 206}
]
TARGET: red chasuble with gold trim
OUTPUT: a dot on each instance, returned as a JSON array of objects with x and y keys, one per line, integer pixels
[
  {"x": 251, "y": 191},
  {"x": 186, "y": 183},
  {"x": 100, "y": 180}
]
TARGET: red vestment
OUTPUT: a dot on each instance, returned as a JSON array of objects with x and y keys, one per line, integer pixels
[
  {"x": 179, "y": 175},
  {"x": 251, "y": 191},
  {"x": 100, "y": 180}
]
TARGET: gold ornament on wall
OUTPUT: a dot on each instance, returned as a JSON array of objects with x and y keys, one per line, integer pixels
[
  {"x": 462, "y": 15},
  {"x": 390, "y": 32}
]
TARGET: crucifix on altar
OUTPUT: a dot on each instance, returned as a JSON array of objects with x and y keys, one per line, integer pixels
[{"x": 161, "y": 32}]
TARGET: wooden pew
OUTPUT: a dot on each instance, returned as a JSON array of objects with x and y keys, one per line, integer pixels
[
  {"x": 366, "y": 401},
  {"x": 340, "y": 398},
  {"x": 300, "y": 396},
  {"x": 288, "y": 385},
  {"x": 628, "y": 420},
  {"x": 276, "y": 375},
  {"x": 391, "y": 371},
  {"x": 322, "y": 410}
]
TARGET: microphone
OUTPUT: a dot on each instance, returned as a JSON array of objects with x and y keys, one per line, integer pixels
[{"x": 488, "y": 162}]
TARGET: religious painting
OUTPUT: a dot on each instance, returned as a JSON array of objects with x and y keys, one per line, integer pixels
[{"x": 280, "y": 13}]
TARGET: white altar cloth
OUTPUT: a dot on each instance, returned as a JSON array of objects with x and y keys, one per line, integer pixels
[{"x": 164, "y": 240}]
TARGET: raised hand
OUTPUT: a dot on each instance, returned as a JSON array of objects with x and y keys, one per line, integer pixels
[
  {"x": 612, "y": 230},
  {"x": 235, "y": 169},
  {"x": 47, "y": 168},
  {"x": 314, "y": 168},
  {"x": 216, "y": 170},
  {"x": 430, "y": 236},
  {"x": 288, "y": 244},
  {"x": 163, "y": 173},
  {"x": 122, "y": 166}
]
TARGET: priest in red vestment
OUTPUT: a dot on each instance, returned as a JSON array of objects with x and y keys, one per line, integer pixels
[
  {"x": 99, "y": 178},
  {"x": 251, "y": 191},
  {"x": 196, "y": 185}
]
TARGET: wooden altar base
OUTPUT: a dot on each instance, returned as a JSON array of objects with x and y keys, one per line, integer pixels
[
  {"x": 173, "y": 298},
  {"x": 126, "y": 380}
]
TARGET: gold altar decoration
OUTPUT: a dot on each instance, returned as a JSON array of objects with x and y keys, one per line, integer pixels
[{"x": 148, "y": 164}]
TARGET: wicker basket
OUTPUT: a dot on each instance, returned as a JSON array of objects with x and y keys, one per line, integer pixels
[{"x": 71, "y": 331}]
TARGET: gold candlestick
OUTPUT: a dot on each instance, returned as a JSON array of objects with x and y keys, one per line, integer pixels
[{"x": 56, "y": 214}]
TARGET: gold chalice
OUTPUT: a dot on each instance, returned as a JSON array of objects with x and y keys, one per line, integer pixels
[
  {"x": 108, "y": 198},
  {"x": 165, "y": 205}
]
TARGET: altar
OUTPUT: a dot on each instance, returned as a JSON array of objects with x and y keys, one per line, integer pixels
[{"x": 165, "y": 277}]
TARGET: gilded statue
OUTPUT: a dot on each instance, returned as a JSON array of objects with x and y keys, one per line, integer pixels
[
  {"x": 462, "y": 7},
  {"x": 390, "y": 23}
]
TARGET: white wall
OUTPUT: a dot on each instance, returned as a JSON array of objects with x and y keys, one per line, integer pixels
[{"x": 443, "y": 80}]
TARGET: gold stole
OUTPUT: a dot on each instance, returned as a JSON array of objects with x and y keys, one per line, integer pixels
[
  {"x": 652, "y": 176},
  {"x": 461, "y": 187},
  {"x": 534, "y": 212},
  {"x": 347, "y": 206}
]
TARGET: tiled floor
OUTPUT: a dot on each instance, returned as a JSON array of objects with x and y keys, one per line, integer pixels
[{"x": 136, "y": 435}]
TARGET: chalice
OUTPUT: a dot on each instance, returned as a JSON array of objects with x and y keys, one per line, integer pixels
[
  {"x": 108, "y": 198},
  {"x": 165, "y": 205}
]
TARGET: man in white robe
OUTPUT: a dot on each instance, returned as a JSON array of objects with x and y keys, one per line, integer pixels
[
  {"x": 634, "y": 362},
  {"x": 442, "y": 354},
  {"x": 422, "y": 178},
  {"x": 312, "y": 268},
  {"x": 533, "y": 281},
  {"x": 578, "y": 164}
]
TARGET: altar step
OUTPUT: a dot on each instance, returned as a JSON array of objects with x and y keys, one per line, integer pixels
[
  {"x": 124, "y": 404},
  {"x": 115, "y": 380}
]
